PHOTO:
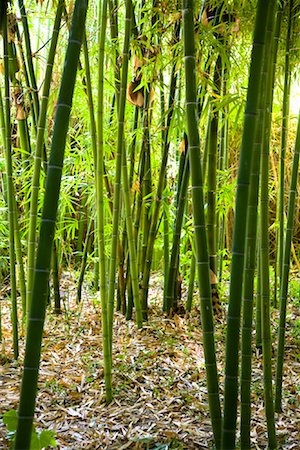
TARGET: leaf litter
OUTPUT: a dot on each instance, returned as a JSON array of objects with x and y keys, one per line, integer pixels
[{"x": 160, "y": 396}]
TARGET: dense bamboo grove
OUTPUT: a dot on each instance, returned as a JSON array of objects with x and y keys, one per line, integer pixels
[{"x": 154, "y": 136}]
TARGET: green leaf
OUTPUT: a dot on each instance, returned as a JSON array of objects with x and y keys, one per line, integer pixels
[
  {"x": 47, "y": 439},
  {"x": 35, "y": 442},
  {"x": 10, "y": 419}
]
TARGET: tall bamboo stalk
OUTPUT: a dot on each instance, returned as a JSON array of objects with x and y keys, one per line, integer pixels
[
  {"x": 212, "y": 168},
  {"x": 40, "y": 139},
  {"x": 29, "y": 61},
  {"x": 285, "y": 271},
  {"x": 284, "y": 135},
  {"x": 192, "y": 274},
  {"x": 146, "y": 264},
  {"x": 10, "y": 187},
  {"x": 199, "y": 221},
  {"x": 125, "y": 181},
  {"x": 165, "y": 196},
  {"x": 18, "y": 245},
  {"x": 121, "y": 166},
  {"x": 250, "y": 259},
  {"x": 258, "y": 338},
  {"x": 267, "y": 86},
  {"x": 100, "y": 205},
  {"x": 117, "y": 181},
  {"x": 239, "y": 233},
  {"x": 173, "y": 267},
  {"x": 42, "y": 268}
]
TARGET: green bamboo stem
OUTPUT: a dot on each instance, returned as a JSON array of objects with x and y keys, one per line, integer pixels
[
  {"x": 29, "y": 53},
  {"x": 55, "y": 279},
  {"x": 96, "y": 277},
  {"x": 125, "y": 181},
  {"x": 212, "y": 169},
  {"x": 285, "y": 272},
  {"x": 93, "y": 132},
  {"x": 250, "y": 262},
  {"x": 19, "y": 258},
  {"x": 205, "y": 154},
  {"x": 138, "y": 209},
  {"x": 119, "y": 89},
  {"x": 258, "y": 320},
  {"x": 133, "y": 144},
  {"x": 81, "y": 220},
  {"x": 174, "y": 259},
  {"x": 191, "y": 285},
  {"x": 88, "y": 90},
  {"x": 274, "y": 57},
  {"x": 89, "y": 95},
  {"x": 284, "y": 136},
  {"x": 121, "y": 166},
  {"x": 21, "y": 117},
  {"x": 26, "y": 76},
  {"x": 146, "y": 181},
  {"x": 113, "y": 20},
  {"x": 222, "y": 165},
  {"x": 36, "y": 69},
  {"x": 83, "y": 262},
  {"x": 166, "y": 231},
  {"x": 10, "y": 188},
  {"x": 40, "y": 138},
  {"x": 268, "y": 87},
  {"x": 18, "y": 245},
  {"x": 122, "y": 251},
  {"x": 199, "y": 222},
  {"x": 247, "y": 312},
  {"x": 131, "y": 243},
  {"x": 165, "y": 195},
  {"x": 43, "y": 260},
  {"x": 106, "y": 340},
  {"x": 146, "y": 264},
  {"x": 239, "y": 233}
]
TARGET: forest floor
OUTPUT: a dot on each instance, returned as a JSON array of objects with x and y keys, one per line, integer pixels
[{"x": 160, "y": 399}]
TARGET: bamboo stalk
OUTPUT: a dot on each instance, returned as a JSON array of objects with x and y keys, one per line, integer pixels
[
  {"x": 268, "y": 87},
  {"x": 174, "y": 258},
  {"x": 35, "y": 183},
  {"x": 43, "y": 260},
  {"x": 29, "y": 60},
  {"x": 285, "y": 271},
  {"x": 10, "y": 188},
  {"x": 239, "y": 233},
  {"x": 199, "y": 222},
  {"x": 146, "y": 264},
  {"x": 284, "y": 136},
  {"x": 99, "y": 162},
  {"x": 250, "y": 260}
]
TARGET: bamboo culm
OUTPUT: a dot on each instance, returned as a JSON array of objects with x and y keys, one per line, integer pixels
[
  {"x": 10, "y": 189},
  {"x": 285, "y": 271},
  {"x": 35, "y": 184},
  {"x": 239, "y": 233},
  {"x": 42, "y": 267},
  {"x": 202, "y": 258}
]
